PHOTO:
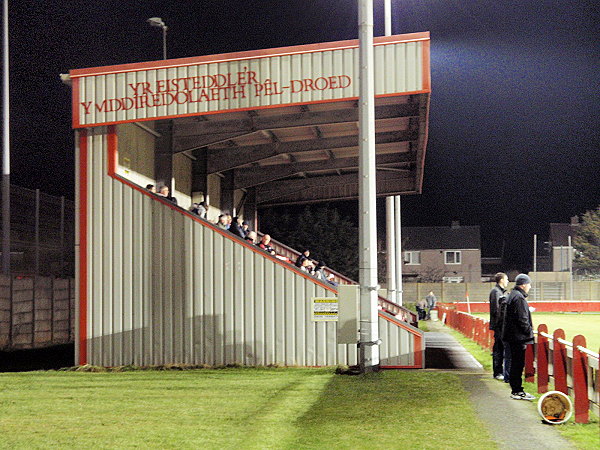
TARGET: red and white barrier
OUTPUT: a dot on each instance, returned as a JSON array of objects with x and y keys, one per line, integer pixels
[{"x": 573, "y": 368}]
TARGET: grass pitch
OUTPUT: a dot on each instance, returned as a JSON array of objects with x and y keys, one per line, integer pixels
[
  {"x": 587, "y": 324},
  {"x": 237, "y": 408},
  {"x": 583, "y": 436}
]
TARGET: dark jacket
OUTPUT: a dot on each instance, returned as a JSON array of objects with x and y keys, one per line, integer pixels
[
  {"x": 497, "y": 306},
  {"x": 517, "y": 324},
  {"x": 237, "y": 229},
  {"x": 300, "y": 260}
]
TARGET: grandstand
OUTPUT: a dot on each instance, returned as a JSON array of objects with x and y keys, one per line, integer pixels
[{"x": 157, "y": 284}]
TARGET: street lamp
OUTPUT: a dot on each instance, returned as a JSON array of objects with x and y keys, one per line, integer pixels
[{"x": 158, "y": 22}]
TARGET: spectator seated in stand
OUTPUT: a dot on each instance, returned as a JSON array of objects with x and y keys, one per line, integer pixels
[
  {"x": 306, "y": 266},
  {"x": 251, "y": 237},
  {"x": 151, "y": 188},
  {"x": 302, "y": 257},
  {"x": 222, "y": 222},
  {"x": 200, "y": 209},
  {"x": 236, "y": 227},
  {"x": 265, "y": 244},
  {"x": 245, "y": 227},
  {"x": 164, "y": 192}
]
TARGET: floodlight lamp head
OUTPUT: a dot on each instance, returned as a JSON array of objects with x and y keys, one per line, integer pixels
[{"x": 156, "y": 22}]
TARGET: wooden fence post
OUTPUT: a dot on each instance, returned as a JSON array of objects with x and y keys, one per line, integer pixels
[
  {"x": 542, "y": 359},
  {"x": 559, "y": 363},
  {"x": 529, "y": 367},
  {"x": 580, "y": 386}
]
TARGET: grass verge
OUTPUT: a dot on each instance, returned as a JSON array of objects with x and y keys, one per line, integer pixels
[
  {"x": 584, "y": 436},
  {"x": 237, "y": 408}
]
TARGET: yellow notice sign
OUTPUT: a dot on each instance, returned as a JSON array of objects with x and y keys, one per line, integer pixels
[{"x": 325, "y": 309}]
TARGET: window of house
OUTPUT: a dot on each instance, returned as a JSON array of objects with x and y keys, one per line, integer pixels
[
  {"x": 452, "y": 257},
  {"x": 412, "y": 257}
]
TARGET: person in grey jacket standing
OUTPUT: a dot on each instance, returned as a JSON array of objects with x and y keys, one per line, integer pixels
[
  {"x": 498, "y": 299},
  {"x": 517, "y": 332}
]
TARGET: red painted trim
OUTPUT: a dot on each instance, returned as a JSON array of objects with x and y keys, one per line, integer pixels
[
  {"x": 580, "y": 381},
  {"x": 401, "y": 324},
  {"x": 418, "y": 350},
  {"x": 540, "y": 306},
  {"x": 559, "y": 363},
  {"x": 83, "y": 281},
  {"x": 113, "y": 150},
  {"x": 223, "y": 111},
  {"x": 75, "y": 103},
  {"x": 426, "y": 65},
  {"x": 543, "y": 349},
  {"x": 254, "y": 54},
  {"x": 529, "y": 364}
]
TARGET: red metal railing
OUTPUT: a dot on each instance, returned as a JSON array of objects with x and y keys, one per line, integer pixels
[
  {"x": 394, "y": 309},
  {"x": 573, "y": 368}
]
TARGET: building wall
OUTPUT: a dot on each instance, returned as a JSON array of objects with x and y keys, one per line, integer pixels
[
  {"x": 157, "y": 286},
  {"x": 433, "y": 263}
]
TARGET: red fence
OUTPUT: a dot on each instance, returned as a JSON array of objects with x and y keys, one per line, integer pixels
[
  {"x": 573, "y": 368},
  {"x": 541, "y": 306}
]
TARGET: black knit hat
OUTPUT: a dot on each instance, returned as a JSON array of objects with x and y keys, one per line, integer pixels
[{"x": 522, "y": 279}]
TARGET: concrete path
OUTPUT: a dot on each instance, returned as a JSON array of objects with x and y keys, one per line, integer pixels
[{"x": 513, "y": 424}]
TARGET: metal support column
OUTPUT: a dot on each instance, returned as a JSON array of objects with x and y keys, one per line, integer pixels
[
  {"x": 534, "y": 297},
  {"x": 390, "y": 249},
  {"x": 369, "y": 330},
  {"x": 5, "y": 146},
  {"x": 398, "y": 223},
  {"x": 163, "y": 156},
  {"x": 228, "y": 193},
  {"x": 37, "y": 232}
]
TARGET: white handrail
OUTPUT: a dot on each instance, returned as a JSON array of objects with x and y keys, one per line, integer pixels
[
  {"x": 588, "y": 352},
  {"x": 563, "y": 342}
]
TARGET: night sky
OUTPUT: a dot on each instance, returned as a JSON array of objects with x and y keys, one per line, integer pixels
[{"x": 514, "y": 135}]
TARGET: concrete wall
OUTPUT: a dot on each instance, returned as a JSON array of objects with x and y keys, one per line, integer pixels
[{"x": 35, "y": 312}]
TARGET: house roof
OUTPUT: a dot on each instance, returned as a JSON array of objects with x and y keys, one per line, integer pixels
[{"x": 430, "y": 238}]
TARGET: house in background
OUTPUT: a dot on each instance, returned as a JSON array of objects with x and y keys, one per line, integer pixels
[{"x": 450, "y": 254}]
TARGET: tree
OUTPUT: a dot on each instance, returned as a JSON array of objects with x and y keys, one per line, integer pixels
[
  {"x": 329, "y": 236},
  {"x": 587, "y": 242}
]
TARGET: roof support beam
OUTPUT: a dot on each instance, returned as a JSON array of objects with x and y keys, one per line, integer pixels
[
  {"x": 191, "y": 136},
  {"x": 254, "y": 176},
  {"x": 334, "y": 187},
  {"x": 229, "y": 158}
]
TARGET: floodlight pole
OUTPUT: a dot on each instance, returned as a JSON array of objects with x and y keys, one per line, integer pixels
[
  {"x": 398, "y": 249},
  {"x": 164, "y": 30},
  {"x": 369, "y": 327},
  {"x": 390, "y": 248},
  {"x": 5, "y": 147},
  {"x": 535, "y": 267},
  {"x": 387, "y": 6}
]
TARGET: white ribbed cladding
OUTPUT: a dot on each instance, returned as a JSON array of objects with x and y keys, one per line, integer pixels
[
  {"x": 297, "y": 78},
  {"x": 163, "y": 288}
]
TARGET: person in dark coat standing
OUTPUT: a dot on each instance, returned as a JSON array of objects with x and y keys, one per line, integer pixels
[
  {"x": 517, "y": 332},
  {"x": 498, "y": 299}
]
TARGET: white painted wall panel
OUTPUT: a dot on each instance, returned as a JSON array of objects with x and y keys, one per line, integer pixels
[
  {"x": 142, "y": 94},
  {"x": 163, "y": 288}
]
